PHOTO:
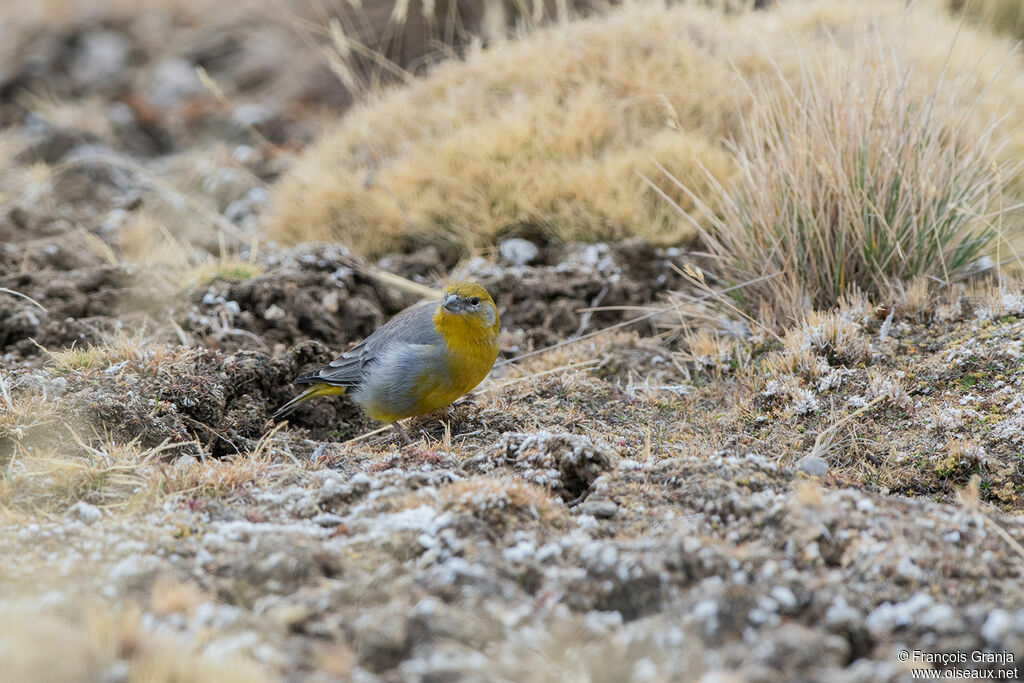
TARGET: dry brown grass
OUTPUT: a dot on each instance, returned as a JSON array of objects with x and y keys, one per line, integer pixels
[
  {"x": 1003, "y": 16},
  {"x": 169, "y": 596},
  {"x": 89, "y": 642},
  {"x": 47, "y": 478},
  {"x": 51, "y": 459},
  {"x": 860, "y": 175},
  {"x": 545, "y": 135},
  {"x": 551, "y": 134}
]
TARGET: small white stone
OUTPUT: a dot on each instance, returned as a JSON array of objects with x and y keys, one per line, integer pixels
[
  {"x": 706, "y": 612},
  {"x": 784, "y": 597},
  {"x": 865, "y": 505},
  {"x": 906, "y": 569},
  {"x": 84, "y": 512},
  {"x": 601, "y": 509},
  {"x": 997, "y": 626},
  {"x": 517, "y": 251},
  {"x": 328, "y": 519},
  {"x": 521, "y": 552},
  {"x": 812, "y": 465},
  {"x": 274, "y": 312}
]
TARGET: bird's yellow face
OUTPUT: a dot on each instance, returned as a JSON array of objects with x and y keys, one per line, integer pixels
[{"x": 468, "y": 309}]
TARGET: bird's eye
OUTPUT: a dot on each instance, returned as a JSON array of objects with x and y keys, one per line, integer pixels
[{"x": 475, "y": 301}]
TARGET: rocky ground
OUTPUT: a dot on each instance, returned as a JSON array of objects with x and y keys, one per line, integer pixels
[{"x": 653, "y": 503}]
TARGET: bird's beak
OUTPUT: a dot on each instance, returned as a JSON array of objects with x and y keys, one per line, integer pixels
[{"x": 451, "y": 303}]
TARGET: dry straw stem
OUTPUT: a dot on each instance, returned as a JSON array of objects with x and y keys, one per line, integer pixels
[
  {"x": 26, "y": 297},
  {"x": 861, "y": 175},
  {"x": 824, "y": 439},
  {"x": 970, "y": 499}
]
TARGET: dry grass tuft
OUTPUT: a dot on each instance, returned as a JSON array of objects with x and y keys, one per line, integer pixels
[
  {"x": 810, "y": 349},
  {"x": 861, "y": 175},
  {"x": 170, "y": 596},
  {"x": 1002, "y": 16},
  {"x": 52, "y": 458},
  {"x": 42, "y": 480},
  {"x": 217, "y": 479},
  {"x": 174, "y": 262},
  {"x": 96, "y": 644},
  {"x": 550, "y": 135},
  {"x": 119, "y": 348},
  {"x": 48, "y": 479}
]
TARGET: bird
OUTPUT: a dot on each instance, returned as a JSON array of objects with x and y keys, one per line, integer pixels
[{"x": 421, "y": 360}]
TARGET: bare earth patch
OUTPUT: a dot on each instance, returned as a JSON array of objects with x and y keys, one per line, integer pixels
[{"x": 693, "y": 538}]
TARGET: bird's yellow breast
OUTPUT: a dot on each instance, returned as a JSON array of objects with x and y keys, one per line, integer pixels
[{"x": 443, "y": 374}]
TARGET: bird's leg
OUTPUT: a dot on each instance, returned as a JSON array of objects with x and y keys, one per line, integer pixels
[{"x": 401, "y": 433}]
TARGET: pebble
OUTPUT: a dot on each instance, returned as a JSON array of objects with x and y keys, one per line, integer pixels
[
  {"x": 889, "y": 617},
  {"x": 601, "y": 509},
  {"x": 517, "y": 251},
  {"x": 84, "y": 512},
  {"x": 328, "y": 519},
  {"x": 812, "y": 465},
  {"x": 101, "y": 55},
  {"x": 173, "y": 79},
  {"x": 997, "y": 626},
  {"x": 784, "y": 597},
  {"x": 840, "y": 614}
]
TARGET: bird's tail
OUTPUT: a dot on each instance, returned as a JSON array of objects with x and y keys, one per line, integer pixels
[{"x": 319, "y": 389}]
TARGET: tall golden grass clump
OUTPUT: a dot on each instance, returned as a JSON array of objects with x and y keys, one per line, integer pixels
[
  {"x": 551, "y": 134},
  {"x": 1002, "y": 16},
  {"x": 547, "y": 135},
  {"x": 861, "y": 175}
]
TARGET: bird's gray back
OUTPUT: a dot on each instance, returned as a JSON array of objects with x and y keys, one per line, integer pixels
[
  {"x": 413, "y": 327},
  {"x": 394, "y": 384}
]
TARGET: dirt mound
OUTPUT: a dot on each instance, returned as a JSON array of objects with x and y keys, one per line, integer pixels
[
  {"x": 543, "y": 303},
  {"x": 307, "y": 293},
  {"x": 80, "y": 307},
  {"x": 313, "y": 292},
  {"x": 207, "y": 401},
  {"x": 565, "y": 463}
]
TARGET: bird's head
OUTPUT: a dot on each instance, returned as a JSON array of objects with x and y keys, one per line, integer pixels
[{"x": 470, "y": 303}]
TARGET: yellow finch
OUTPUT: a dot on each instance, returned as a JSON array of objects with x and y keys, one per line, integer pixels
[{"x": 421, "y": 360}]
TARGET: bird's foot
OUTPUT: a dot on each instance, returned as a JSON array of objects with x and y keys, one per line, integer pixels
[{"x": 402, "y": 434}]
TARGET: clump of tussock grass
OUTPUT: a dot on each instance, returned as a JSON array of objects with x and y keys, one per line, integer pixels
[
  {"x": 174, "y": 262},
  {"x": 117, "y": 348},
  {"x": 46, "y": 473},
  {"x": 1002, "y": 16},
  {"x": 42, "y": 480},
  {"x": 855, "y": 177},
  {"x": 546, "y": 135},
  {"x": 550, "y": 135}
]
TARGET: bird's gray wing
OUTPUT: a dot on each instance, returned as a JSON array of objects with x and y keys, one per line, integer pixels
[{"x": 412, "y": 326}]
